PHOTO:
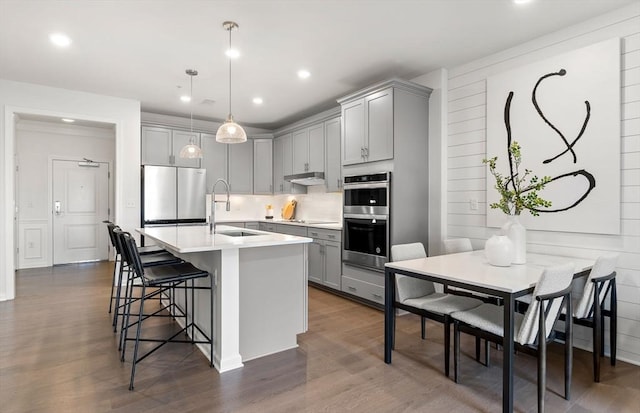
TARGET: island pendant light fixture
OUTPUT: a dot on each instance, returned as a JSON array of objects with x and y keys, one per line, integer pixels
[
  {"x": 191, "y": 150},
  {"x": 229, "y": 131}
]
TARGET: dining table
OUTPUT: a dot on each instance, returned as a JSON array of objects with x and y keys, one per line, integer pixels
[{"x": 471, "y": 271}]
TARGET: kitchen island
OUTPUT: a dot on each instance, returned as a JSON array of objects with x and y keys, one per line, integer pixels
[{"x": 260, "y": 301}]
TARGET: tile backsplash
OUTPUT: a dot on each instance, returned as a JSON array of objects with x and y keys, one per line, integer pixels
[{"x": 316, "y": 204}]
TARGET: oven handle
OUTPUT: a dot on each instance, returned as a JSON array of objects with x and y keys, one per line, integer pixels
[
  {"x": 367, "y": 217},
  {"x": 366, "y": 186}
]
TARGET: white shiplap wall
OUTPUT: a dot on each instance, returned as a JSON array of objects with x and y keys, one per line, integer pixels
[{"x": 466, "y": 174}]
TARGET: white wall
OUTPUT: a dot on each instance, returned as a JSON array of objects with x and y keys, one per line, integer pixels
[
  {"x": 437, "y": 80},
  {"x": 466, "y": 149},
  {"x": 36, "y": 142},
  {"x": 16, "y": 97}
]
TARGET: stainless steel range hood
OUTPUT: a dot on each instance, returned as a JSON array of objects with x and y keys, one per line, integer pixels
[{"x": 306, "y": 178}]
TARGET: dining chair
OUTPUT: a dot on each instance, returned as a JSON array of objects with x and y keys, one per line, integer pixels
[
  {"x": 454, "y": 246},
  {"x": 420, "y": 297},
  {"x": 532, "y": 331},
  {"x": 591, "y": 312},
  {"x": 588, "y": 301}
]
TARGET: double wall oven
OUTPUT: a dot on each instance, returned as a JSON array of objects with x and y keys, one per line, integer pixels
[{"x": 366, "y": 220}]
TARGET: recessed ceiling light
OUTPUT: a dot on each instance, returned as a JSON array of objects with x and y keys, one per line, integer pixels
[
  {"x": 257, "y": 101},
  {"x": 521, "y": 1},
  {"x": 303, "y": 74},
  {"x": 68, "y": 120},
  {"x": 232, "y": 53},
  {"x": 185, "y": 98},
  {"x": 60, "y": 39}
]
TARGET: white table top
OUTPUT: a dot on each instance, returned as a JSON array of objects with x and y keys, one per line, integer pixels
[
  {"x": 197, "y": 238},
  {"x": 472, "y": 268}
]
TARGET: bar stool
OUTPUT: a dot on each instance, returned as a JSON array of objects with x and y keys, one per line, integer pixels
[
  {"x": 162, "y": 281},
  {"x": 151, "y": 258},
  {"x": 117, "y": 270}
]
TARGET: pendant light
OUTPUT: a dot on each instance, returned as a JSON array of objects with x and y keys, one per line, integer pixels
[
  {"x": 191, "y": 150},
  {"x": 229, "y": 131}
]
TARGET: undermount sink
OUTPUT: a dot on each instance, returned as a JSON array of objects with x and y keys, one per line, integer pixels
[{"x": 236, "y": 233}]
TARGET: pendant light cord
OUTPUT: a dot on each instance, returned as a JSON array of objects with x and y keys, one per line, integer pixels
[
  {"x": 191, "y": 105},
  {"x": 230, "y": 29}
]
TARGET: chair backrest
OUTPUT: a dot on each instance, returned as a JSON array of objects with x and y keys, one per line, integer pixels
[
  {"x": 409, "y": 287},
  {"x": 117, "y": 239},
  {"x": 130, "y": 253},
  {"x": 604, "y": 265},
  {"x": 552, "y": 280},
  {"x": 110, "y": 227},
  {"x": 452, "y": 246}
]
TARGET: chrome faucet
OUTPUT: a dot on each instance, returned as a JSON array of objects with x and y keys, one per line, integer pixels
[{"x": 212, "y": 217}]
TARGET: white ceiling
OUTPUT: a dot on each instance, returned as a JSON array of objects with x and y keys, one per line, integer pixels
[{"x": 139, "y": 49}]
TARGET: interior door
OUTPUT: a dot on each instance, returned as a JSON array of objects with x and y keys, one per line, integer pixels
[{"x": 80, "y": 203}]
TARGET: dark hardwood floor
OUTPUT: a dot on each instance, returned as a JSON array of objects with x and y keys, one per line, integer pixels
[{"x": 59, "y": 354}]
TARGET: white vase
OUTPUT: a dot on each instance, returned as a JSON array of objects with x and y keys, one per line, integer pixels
[
  {"x": 517, "y": 233},
  {"x": 499, "y": 250}
]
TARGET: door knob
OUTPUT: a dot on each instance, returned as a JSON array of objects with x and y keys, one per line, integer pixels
[{"x": 57, "y": 207}]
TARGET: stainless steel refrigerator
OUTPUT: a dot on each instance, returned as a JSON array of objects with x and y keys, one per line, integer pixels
[{"x": 172, "y": 195}]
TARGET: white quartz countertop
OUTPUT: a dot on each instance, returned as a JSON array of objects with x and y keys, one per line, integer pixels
[{"x": 196, "y": 238}]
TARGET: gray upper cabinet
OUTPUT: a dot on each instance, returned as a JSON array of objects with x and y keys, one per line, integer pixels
[
  {"x": 378, "y": 127},
  {"x": 278, "y": 166},
  {"x": 214, "y": 159},
  {"x": 300, "y": 150},
  {"x": 368, "y": 128},
  {"x": 263, "y": 166},
  {"x": 353, "y": 132},
  {"x": 308, "y": 149},
  {"x": 282, "y": 163},
  {"x": 332, "y": 172},
  {"x": 241, "y": 167},
  {"x": 161, "y": 146}
]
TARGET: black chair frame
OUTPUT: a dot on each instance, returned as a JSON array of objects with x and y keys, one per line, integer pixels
[
  {"x": 163, "y": 280},
  {"x": 539, "y": 348}
]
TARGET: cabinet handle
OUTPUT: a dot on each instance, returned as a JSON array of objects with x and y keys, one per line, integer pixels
[
  {"x": 366, "y": 152},
  {"x": 378, "y": 296},
  {"x": 314, "y": 234},
  {"x": 270, "y": 187},
  {"x": 350, "y": 288},
  {"x": 338, "y": 182},
  {"x": 281, "y": 187},
  {"x": 332, "y": 236},
  {"x": 362, "y": 152}
]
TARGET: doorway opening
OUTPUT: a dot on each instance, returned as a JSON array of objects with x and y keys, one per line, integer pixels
[{"x": 63, "y": 190}]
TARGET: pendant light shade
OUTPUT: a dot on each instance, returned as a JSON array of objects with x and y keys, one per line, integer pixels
[
  {"x": 230, "y": 131},
  {"x": 191, "y": 150}
]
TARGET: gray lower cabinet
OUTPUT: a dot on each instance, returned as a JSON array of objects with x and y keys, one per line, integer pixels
[
  {"x": 325, "y": 257},
  {"x": 267, "y": 226},
  {"x": 289, "y": 229},
  {"x": 363, "y": 283},
  {"x": 252, "y": 225}
]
